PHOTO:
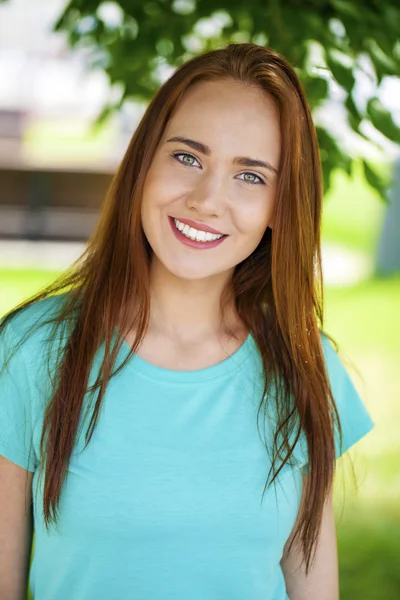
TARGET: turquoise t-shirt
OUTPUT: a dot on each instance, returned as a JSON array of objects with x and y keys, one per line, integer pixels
[{"x": 165, "y": 502}]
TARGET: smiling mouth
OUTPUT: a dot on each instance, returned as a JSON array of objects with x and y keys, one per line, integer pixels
[
  {"x": 196, "y": 235},
  {"x": 194, "y": 242}
]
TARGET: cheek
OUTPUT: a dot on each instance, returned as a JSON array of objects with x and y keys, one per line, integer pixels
[
  {"x": 253, "y": 218},
  {"x": 153, "y": 193},
  {"x": 163, "y": 187}
]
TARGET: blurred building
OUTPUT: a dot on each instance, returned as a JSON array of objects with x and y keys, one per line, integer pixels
[{"x": 54, "y": 171}]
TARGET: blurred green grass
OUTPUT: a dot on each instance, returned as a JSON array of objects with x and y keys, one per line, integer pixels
[
  {"x": 364, "y": 319},
  {"x": 18, "y": 284}
]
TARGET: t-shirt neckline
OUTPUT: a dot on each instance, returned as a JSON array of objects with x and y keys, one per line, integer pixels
[{"x": 223, "y": 368}]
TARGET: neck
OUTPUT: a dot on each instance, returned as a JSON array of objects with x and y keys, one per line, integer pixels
[{"x": 188, "y": 310}]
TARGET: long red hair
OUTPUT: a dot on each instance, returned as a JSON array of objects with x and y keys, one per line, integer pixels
[{"x": 277, "y": 289}]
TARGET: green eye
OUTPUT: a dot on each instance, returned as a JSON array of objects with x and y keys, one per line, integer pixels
[
  {"x": 187, "y": 159},
  {"x": 248, "y": 175},
  {"x": 252, "y": 178}
]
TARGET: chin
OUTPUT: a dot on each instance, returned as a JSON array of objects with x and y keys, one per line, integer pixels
[
  {"x": 190, "y": 274},
  {"x": 190, "y": 271}
]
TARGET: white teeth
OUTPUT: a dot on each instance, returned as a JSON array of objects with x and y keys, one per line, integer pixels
[{"x": 195, "y": 234}]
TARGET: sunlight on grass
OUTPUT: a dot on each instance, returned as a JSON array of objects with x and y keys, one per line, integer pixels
[
  {"x": 364, "y": 320},
  {"x": 17, "y": 285}
]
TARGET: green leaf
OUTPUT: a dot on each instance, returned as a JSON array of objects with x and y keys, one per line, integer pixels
[
  {"x": 68, "y": 18},
  {"x": 376, "y": 181},
  {"x": 316, "y": 89},
  {"x": 156, "y": 29},
  {"x": 330, "y": 151},
  {"x": 102, "y": 117},
  {"x": 353, "y": 114},
  {"x": 383, "y": 64},
  {"x": 345, "y": 7},
  {"x": 342, "y": 73},
  {"x": 325, "y": 140},
  {"x": 382, "y": 120}
]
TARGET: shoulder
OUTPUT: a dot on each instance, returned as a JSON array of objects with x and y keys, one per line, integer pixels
[
  {"x": 353, "y": 414},
  {"x": 340, "y": 381},
  {"x": 334, "y": 364},
  {"x": 330, "y": 351},
  {"x": 27, "y": 331},
  {"x": 35, "y": 314},
  {"x": 336, "y": 370}
]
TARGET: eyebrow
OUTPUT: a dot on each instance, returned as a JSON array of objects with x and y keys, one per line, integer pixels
[{"x": 238, "y": 160}]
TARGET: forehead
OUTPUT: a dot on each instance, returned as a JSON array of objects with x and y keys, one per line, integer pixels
[
  {"x": 227, "y": 114},
  {"x": 227, "y": 94}
]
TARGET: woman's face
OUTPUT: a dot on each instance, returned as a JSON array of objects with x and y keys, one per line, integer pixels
[{"x": 222, "y": 173}]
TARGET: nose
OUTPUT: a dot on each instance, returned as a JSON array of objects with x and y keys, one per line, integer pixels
[{"x": 208, "y": 197}]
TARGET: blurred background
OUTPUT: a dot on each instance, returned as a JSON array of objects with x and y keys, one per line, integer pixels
[{"x": 75, "y": 80}]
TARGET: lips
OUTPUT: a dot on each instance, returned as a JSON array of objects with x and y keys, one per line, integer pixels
[
  {"x": 193, "y": 243},
  {"x": 199, "y": 226}
]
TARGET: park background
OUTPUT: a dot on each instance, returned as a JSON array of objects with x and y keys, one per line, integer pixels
[{"x": 49, "y": 98}]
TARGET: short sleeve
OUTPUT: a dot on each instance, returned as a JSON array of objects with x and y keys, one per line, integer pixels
[
  {"x": 16, "y": 403},
  {"x": 355, "y": 420}
]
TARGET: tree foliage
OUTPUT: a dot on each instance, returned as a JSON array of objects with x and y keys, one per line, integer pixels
[{"x": 133, "y": 40}]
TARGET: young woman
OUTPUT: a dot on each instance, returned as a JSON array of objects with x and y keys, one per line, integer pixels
[{"x": 170, "y": 410}]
